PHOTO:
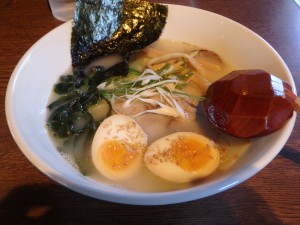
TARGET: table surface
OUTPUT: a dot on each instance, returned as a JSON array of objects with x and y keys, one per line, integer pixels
[{"x": 270, "y": 197}]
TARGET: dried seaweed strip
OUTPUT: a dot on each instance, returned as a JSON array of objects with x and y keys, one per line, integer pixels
[{"x": 105, "y": 27}]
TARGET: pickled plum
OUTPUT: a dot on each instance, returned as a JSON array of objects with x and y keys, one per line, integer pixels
[{"x": 249, "y": 103}]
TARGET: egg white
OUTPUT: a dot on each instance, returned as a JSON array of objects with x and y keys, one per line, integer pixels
[
  {"x": 124, "y": 130},
  {"x": 161, "y": 161}
]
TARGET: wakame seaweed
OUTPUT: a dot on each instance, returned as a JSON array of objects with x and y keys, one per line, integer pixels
[
  {"x": 69, "y": 113},
  {"x": 106, "y": 27}
]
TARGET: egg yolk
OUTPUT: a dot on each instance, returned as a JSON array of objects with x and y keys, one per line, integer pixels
[
  {"x": 190, "y": 154},
  {"x": 116, "y": 154}
]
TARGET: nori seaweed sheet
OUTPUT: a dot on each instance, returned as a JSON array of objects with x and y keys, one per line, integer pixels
[{"x": 105, "y": 27}]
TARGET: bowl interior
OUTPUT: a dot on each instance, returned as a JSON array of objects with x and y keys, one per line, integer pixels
[{"x": 33, "y": 78}]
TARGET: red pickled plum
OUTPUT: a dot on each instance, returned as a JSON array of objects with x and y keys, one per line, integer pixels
[{"x": 249, "y": 103}]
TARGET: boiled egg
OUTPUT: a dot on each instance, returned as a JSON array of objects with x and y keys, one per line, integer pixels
[
  {"x": 118, "y": 147},
  {"x": 182, "y": 157}
]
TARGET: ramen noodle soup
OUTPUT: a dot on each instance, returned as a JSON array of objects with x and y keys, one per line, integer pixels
[{"x": 159, "y": 116}]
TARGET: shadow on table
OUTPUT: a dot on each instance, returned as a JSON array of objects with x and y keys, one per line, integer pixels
[
  {"x": 35, "y": 204},
  {"x": 290, "y": 154}
]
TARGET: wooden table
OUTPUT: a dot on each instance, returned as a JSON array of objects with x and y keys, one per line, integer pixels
[{"x": 29, "y": 197}]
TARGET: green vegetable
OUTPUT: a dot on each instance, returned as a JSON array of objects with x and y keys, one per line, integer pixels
[
  {"x": 69, "y": 114},
  {"x": 145, "y": 86}
]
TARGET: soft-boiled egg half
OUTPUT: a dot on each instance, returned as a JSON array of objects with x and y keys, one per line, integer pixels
[
  {"x": 118, "y": 147},
  {"x": 182, "y": 157}
]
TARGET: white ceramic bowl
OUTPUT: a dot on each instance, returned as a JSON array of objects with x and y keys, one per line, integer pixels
[{"x": 33, "y": 78}]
